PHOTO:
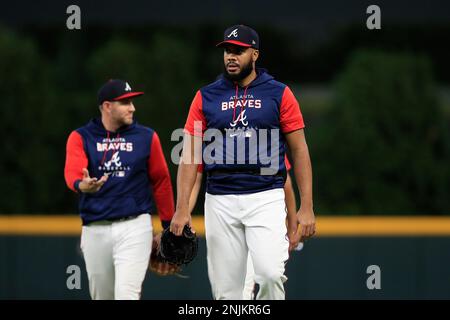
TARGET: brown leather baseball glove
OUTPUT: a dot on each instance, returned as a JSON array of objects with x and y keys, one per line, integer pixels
[{"x": 158, "y": 264}]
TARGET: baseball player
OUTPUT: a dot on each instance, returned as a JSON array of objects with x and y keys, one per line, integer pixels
[
  {"x": 292, "y": 225},
  {"x": 119, "y": 171},
  {"x": 244, "y": 202}
]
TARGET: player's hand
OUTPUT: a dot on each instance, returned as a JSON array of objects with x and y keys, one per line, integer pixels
[
  {"x": 307, "y": 220},
  {"x": 292, "y": 231},
  {"x": 294, "y": 239},
  {"x": 179, "y": 220},
  {"x": 91, "y": 185},
  {"x": 156, "y": 241}
]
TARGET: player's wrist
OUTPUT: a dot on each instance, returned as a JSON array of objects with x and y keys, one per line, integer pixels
[
  {"x": 183, "y": 210},
  {"x": 81, "y": 186},
  {"x": 165, "y": 224},
  {"x": 84, "y": 187},
  {"x": 306, "y": 204},
  {"x": 77, "y": 185}
]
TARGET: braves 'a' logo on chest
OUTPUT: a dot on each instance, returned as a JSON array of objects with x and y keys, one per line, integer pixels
[
  {"x": 114, "y": 160},
  {"x": 240, "y": 119}
]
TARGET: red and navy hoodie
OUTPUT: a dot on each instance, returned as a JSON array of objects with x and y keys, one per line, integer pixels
[
  {"x": 138, "y": 181},
  {"x": 239, "y": 114}
]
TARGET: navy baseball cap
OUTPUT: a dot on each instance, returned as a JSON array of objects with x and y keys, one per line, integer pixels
[
  {"x": 115, "y": 90},
  {"x": 240, "y": 35}
]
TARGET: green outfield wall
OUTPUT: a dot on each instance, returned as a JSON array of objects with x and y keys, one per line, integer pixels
[{"x": 411, "y": 267}]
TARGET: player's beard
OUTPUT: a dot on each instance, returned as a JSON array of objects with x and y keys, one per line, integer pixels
[
  {"x": 245, "y": 72},
  {"x": 127, "y": 120},
  {"x": 123, "y": 121}
]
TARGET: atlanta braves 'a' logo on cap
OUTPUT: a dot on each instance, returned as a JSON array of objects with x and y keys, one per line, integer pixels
[{"x": 233, "y": 33}]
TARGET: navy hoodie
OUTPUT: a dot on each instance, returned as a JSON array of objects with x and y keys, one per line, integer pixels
[
  {"x": 243, "y": 132},
  {"x": 138, "y": 182}
]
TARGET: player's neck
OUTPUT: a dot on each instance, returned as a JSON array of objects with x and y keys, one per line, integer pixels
[
  {"x": 109, "y": 124},
  {"x": 248, "y": 79}
]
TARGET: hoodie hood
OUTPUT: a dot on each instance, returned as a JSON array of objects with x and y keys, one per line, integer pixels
[
  {"x": 97, "y": 127},
  {"x": 261, "y": 77}
]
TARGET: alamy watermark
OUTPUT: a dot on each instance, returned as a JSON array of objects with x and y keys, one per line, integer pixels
[
  {"x": 374, "y": 280},
  {"x": 74, "y": 279},
  {"x": 236, "y": 145},
  {"x": 73, "y": 22},
  {"x": 374, "y": 20}
]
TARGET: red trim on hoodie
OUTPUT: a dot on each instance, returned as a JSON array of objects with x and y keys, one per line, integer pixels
[
  {"x": 158, "y": 173},
  {"x": 291, "y": 118},
  {"x": 196, "y": 115},
  {"x": 287, "y": 163},
  {"x": 76, "y": 160}
]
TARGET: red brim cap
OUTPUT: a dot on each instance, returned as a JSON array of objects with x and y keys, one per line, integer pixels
[
  {"x": 238, "y": 43},
  {"x": 128, "y": 95}
]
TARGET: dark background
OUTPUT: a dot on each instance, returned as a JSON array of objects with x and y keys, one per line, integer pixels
[
  {"x": 376, "y": 105},
  {"x": 375, "y": 102}
]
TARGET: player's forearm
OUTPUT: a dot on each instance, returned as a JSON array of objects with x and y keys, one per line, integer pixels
[
  {"x": 185, "y": 183},
  {"x": 303, "y": 174},
  {"x": 163, "y": 194},
  {"x": 187, "y": 171},
  {"x": 289, "y": 195},
  {"x": 291, "y": 206},
  {"x": 195, "y": 191},
  {"x": 158, "y": 173}
]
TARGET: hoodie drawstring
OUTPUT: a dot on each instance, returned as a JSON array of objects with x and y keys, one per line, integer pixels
[
  {"x": 242, "y": 104},
  {"x": 106, "y": 149}
]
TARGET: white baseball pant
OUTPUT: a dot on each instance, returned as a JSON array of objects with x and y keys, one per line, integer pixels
[
  {"x": 249, "y": 284},
  {"x": 117, "y": 256},
  {"x": 239, "y": 225}
]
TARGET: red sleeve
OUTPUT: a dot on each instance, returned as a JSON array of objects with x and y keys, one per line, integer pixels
[
  {"x": 196, "y": 119},
  {"x": 76, "y": 160},
  {"x": 158, "y": 173},
  {"x": 200, "y": 168},
  {"x": 287, "y": 163},
  {"x": 291, "y": 118}
]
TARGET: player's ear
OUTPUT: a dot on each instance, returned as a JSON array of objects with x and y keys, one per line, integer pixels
[
  {"x": 106, "y": 106},
  {"x": 255, "y": 55}
]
